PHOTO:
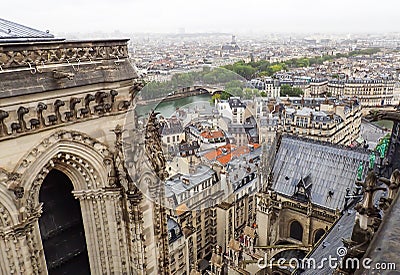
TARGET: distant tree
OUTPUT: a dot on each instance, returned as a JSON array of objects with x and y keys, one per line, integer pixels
[
  {"x": 249, "y": 93},
  {"x": 276, "y": 68},
  {"x": 302, "y": 62},
  {"x": 242, "y": 69},
  {"x": 215, "y": 97},
  {"x": 225, "y": 95},
  {"x": 287, "y": 90},
  {"x": 264, "y": 73},
  {"x": 234, "y": 91}
]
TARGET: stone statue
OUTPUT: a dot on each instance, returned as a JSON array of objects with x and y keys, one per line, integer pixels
[
  {"x": 360, "y": 171},
  {"x": 367, "y": 222},
  {"x": 372, "y": 158},
  {"x": 3, "y": 126},
  {"x": 21, "y": 112},
  {"x": 153, "y": 147},
  {"x": 57, "y": 105}
]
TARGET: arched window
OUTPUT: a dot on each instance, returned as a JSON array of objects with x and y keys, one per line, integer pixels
[
  {"x": 296, "y": 231},
  {"x": 61, "y": 227},
  {"x": 318, "y": 234}
]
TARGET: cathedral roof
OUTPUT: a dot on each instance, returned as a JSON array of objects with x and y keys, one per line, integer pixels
[
  {"x": 329, "y": 245},
  {"x": 384, "y": 246},
  {"x": 331, "y": 170},
  {"x": 11, "y": 32}
]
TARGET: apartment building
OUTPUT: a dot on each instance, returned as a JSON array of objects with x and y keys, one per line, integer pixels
[{"x": 370, "y": 92}]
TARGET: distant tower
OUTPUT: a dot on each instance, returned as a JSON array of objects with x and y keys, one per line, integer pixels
[{"x": 233, "y": 39}]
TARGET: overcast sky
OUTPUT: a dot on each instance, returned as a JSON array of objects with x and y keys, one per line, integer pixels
[{"x": 345, "y": 16}]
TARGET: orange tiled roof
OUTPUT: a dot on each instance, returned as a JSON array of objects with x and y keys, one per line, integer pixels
[
  {"x": 180, "y": 209},
  {"x": 231, "y": 151},
  {"x": 216, "y": 153},
  {"x": 213, "y": 134},
  {"x": 225, "y": 159}
]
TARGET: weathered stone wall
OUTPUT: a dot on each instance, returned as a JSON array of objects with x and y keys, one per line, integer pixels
[{"x": 59, "y": 105}]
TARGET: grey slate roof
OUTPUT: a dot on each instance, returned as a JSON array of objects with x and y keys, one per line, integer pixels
[
  {"x": 343, "y": 229},
  {"x": 175, "y": 185},
  {"x": 13, "y": 32},
  {"x": 331, "y": 168},
  {"x": 329, "y": 245}
]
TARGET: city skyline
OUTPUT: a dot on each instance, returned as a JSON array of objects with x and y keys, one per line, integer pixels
[
  {"x": 176, "y": 16},
  {"x": 196, "y": 154}
]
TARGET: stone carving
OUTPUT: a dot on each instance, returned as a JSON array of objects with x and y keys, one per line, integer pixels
[
  {"x": 156, "y": 157},
  {"x": 112, "y": 171},
  {"x": 15, "y": 127},
  {"x": 86, "y": 111},
  {"x": 62, "y": 75},
  {"x": 153, "y": 147},
  {"x": 135, "y": 89},
  {"x": 393, "y": 185},
  {"x": 106, "y": 103},
  {"x": 99, "y": 97},
  {"x": 121, "y": 173},
  {"x": 368, "y": 212},
  {"x": 123, "y": 105},
  {"x": 57, "y": 104},
  {"x": 3, "y": 126},
  {"x": 21, "y": 125},
  {"x": 367, "y": 221},
  {"x": 55, "y": 137},
  {"x": 79, "y": 165},
  {"x": 113, "y": 95},
  {"x": 19, "y": 192},
  {"x": 72, "y": 113},
  {"x": 39, "y": 122},
  {"x": 56, "y": 53},
  {"x": 13, "y": 180}
]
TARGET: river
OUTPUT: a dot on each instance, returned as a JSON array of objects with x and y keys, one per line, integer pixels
[{"x": 167, "y": 108}]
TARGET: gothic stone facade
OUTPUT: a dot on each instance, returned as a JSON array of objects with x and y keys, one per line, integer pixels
[{"x": 60, "y": 103}]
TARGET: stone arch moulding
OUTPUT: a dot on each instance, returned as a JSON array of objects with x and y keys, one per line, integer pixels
[
  {"x": 8, "y": 208},
  {"x": 77, "y": 149},
  {"x": 81, "y": 158}
]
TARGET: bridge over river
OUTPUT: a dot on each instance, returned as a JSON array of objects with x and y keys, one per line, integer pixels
[{"x": 182, "y": 93}]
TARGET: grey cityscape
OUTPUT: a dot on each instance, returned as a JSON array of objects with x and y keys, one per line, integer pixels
[{"x": 190, "y": 138}]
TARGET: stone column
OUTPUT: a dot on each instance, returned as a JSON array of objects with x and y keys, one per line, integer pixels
[
  {"x": 134, "y": 228},
  {"x": 104, "y": 231},
  {"x": 22, "y": 251}
]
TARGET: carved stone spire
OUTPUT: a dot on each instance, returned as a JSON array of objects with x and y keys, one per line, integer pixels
[
  {"x": 154, "y": 148},
  {"x": 156, "y": 157},
  {"x": 368, "y": 219}
]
